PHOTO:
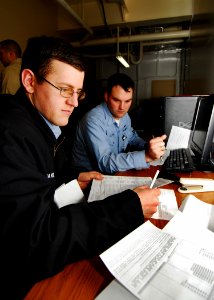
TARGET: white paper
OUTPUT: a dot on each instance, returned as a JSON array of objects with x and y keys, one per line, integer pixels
[
  {"x": 137, "y": 257},
  {"x": 194, "y": 231},
  {"x": 178, "y": 138},
  {"x": 168, "y": 205},
  {"x": 110, "y": 185},
  {"x": 115, "y": 291},
  {"x": 198, "y": 211},
  {"x": 69, "y": 193},
  {"x": 154, "y": 264}
]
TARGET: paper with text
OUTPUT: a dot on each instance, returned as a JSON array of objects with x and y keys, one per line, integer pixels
[
  {"x": 178, "y": 138},
  {"x": 167, "y": 207},
  {"x": 194, "y": 231},
  {"x": 111, "y": 185},
  {"x": 154, "y": 264}
]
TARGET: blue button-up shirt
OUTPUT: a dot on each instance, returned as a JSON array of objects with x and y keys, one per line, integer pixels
[
  {"x": 100, "y": 143},
  {"x": 54, "y": 128}
]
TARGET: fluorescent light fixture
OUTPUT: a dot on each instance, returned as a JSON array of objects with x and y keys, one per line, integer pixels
[
  {"x": 122, "y": 61},
  {"x": 118, "y": 55}
]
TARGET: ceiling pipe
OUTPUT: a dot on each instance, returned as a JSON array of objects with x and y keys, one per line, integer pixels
[
  {"x": 163, "y": 42},
  {"x": 145, "y": 44},
  {"x": 136, "y": 62},
  {"x": 67, "y": 7},
  {"x": 136, "y": 38}
]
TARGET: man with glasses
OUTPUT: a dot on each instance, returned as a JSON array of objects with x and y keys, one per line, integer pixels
[
  {"x": 44, "y": 225},
  {"x": 67, "y": 92}
]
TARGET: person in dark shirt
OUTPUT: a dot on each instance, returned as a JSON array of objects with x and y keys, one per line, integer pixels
[{"x": 44, "y": 225}]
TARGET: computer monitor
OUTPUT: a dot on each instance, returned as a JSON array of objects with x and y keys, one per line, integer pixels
[{"x": 201, "y": 142}]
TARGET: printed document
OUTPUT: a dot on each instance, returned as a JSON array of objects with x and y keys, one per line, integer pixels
[
  {"x": 178, "y": 138},
  {"x": 110, "y": 185},
  {"x": 181, "y": 227},
  {"x": 154, "y": 264}
]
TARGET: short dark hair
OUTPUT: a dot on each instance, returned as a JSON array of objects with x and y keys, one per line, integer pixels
[
  {"x": 11, "y": 45},
  {"x": 40, "y": 52},
  {"x": 120, "y": 79}
]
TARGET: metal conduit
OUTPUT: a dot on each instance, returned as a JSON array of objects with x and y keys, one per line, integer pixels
[{"x": 136, "y": 38}]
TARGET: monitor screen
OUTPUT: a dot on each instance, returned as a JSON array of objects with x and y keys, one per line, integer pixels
[{"x": 203, "y": 129}]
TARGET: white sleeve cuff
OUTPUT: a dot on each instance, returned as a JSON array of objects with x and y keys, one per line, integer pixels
[{"x": 69, "y": 193}]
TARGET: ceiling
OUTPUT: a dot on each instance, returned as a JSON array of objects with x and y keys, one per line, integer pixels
[{"x": 104, "y": 27}]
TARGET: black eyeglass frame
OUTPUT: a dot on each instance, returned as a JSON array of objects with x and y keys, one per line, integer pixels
[{"x": 81, "y": 94}]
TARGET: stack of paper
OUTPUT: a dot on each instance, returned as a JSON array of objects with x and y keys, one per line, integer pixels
[{"x": 174, "y": 263}]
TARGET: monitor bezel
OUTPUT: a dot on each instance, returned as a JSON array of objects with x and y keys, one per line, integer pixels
[{"x": 203, "y": 155}]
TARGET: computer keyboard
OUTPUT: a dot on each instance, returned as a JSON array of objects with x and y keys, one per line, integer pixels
[{"x": 179, "y": 160}]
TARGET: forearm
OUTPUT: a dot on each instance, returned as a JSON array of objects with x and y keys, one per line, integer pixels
[{"x": 111, "y": 163}]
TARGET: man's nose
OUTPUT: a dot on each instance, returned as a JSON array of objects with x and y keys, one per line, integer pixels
[
  {"x": 73, "y": 100},
  {"x": 122, "y": 105}
]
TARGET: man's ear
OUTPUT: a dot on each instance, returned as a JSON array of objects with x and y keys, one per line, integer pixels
[{"x": 28, "y": 80}]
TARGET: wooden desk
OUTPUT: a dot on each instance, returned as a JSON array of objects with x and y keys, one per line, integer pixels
[{"x": 84, "y": 280}]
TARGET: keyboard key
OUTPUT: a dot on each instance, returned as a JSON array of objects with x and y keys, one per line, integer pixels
[{"x": 179, "y": 160}]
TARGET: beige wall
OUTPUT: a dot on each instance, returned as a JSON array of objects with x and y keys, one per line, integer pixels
[
  {"x": 22, "y": 19},
  {"x": 136, "y": 10}
]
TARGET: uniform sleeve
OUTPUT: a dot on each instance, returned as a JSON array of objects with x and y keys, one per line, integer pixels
[
  {"x": 109, "y": 162},
  {"x": 36, "y": 236}
]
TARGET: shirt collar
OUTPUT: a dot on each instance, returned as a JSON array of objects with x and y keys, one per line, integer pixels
[
  {"x": 109, "y": 114},
  {"x": 55, "y": 129}
]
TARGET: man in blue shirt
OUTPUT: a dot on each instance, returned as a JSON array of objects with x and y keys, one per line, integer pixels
[{"x": 105, "y": 132}]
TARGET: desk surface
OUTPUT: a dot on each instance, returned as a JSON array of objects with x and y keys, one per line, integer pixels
[{"x": 84, "y": 280}]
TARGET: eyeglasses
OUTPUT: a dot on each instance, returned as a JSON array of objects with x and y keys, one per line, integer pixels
[{"x": 67, "y": 92}]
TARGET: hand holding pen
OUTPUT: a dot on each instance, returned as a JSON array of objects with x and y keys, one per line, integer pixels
[
  {"x": 148, "y": 199},
  {"x": 156, "y": 148}
]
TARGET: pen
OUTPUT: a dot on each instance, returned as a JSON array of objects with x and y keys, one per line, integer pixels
[{"x": 153, "y": 180}]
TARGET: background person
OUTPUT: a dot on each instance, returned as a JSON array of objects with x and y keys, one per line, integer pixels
[
  {"x": 40, "y": 235},
  {"x": 10, "y": 57},
  {"x": 105, "y": 140}
]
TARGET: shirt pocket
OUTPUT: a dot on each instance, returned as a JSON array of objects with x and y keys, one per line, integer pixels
[
  {"x": 126, "y": 136},
  {"x": 111, "y": 138}
]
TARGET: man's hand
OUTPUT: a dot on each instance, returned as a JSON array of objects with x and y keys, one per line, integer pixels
[
  {"x": 149, "y": 199},
  {"x": 85, "y": 178},
  {"x": 156, "y": 148}
]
